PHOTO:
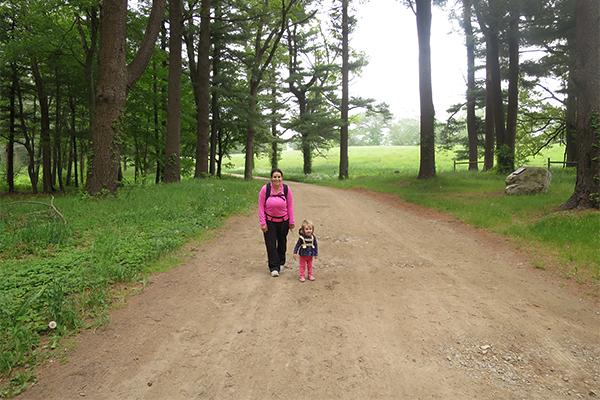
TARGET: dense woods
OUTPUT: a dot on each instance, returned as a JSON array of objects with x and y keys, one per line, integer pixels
[{"x": 90, "y": 89}]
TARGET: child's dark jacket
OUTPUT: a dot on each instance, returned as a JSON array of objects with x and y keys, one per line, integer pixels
[{"x": 307, "y": 246}]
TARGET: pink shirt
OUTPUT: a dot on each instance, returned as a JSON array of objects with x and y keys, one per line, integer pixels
[{"x": 275, "y": 206}]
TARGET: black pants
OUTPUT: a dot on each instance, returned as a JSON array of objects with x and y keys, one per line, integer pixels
[{"x": 276, "y": 242}]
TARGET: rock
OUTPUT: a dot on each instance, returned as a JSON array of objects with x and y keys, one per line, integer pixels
[{"x": 528, "y": 180}]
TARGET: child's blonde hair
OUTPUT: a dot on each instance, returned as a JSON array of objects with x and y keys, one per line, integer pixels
[{"x": 305, "y": 224}]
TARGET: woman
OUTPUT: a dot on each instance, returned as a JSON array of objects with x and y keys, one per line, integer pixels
[{"x": 276, "y": 214}]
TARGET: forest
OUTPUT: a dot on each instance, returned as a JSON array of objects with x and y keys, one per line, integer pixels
[{"x": 91, "y": 89}]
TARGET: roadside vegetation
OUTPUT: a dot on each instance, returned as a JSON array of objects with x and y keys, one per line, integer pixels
[
  {"x": 71, "y": 273},
  {"x": 69, "y": 264}
]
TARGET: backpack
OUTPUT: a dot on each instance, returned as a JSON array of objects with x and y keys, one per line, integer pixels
[{"x": 268, "y": 193}]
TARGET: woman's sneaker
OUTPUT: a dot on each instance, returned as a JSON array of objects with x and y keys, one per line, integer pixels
[{"x": 274, "y": 273}]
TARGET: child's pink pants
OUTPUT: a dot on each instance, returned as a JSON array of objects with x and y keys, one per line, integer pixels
[{"x": 306, "y": 263}]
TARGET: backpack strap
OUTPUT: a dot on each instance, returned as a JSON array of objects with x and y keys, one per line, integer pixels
[
  {"x": 268, "y": 194},
  {"x": 307, "y": 242}
]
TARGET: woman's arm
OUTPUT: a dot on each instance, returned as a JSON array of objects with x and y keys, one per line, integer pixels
[{"x": 290, "y": 208}]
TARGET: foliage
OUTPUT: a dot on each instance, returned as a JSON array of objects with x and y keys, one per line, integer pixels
[
  {"x": 52, "y": 271},
  {"x": 368, "y": 130}
]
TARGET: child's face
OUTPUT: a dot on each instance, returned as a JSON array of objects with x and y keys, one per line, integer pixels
[{"x": 308, "y": 230}]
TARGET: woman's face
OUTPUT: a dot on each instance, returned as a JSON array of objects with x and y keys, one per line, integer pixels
[{"x": 276, "y": 178}]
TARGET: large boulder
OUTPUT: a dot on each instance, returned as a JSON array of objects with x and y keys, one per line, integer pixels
[{"x": 528, "y": 180}]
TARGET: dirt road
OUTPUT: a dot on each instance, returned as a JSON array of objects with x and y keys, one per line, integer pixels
[{"x": 405, "y": 305}]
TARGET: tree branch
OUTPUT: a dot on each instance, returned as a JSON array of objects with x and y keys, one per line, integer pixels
[{"x": 51, "y": 205}]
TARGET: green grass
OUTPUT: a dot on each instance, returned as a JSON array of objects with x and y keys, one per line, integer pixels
[
  {"x": 70, "y": 273},
  {"x": 369, "y": 161}
]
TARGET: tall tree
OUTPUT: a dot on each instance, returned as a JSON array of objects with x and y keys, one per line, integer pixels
[
  {"x": 45, "y": 128},
  {"x": 345, "y": 94},
  {"x": 308, "y": 72},
  {"x": 490, "y": 19},
  {"x": 115, "y": 79},
  {"x": 90, "y": 50},
  {"x": 508, "y": 164},
  {"x": 203, "y": 101},
  {"x": 490, "y": 126},
  {"x": 427, "y": 159},
  {"x": 269, "y": 29},
  {"x": 172, "y": 166},
  {"x": 471, "y": 96},
  {"x": 587, "y": 78}
]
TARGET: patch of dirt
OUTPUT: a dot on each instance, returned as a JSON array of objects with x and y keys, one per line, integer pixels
[{"x": 408, "y": 303}]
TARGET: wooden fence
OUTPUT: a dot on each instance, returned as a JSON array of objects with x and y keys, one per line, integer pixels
[
  {"x": 464, "y": 162},
  {"x": 564, "y": 163}
]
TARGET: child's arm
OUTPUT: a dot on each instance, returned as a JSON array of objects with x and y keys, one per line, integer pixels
[
  {"x": 296, "y": 248},
  {"x": 316, "y": 247}
]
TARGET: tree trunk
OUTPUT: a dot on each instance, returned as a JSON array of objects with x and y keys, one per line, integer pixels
[
  {"x": 57, "y": 166},
  {"x": 345, "y": 95},
  {"x": 203, "y": 140},
  {"x": 10, "y": 145},
  {"x": 571, "y": 122},
  {"x": 90, "y": 57},
  {"x": 29, "y": 146},
  {"x": 513, "y": 86},
  {"x": 110, "y": 98},
  {"x": 490, "y": 134},
  {"x": 471, "y": 122},
  {"x": 427, "y": 162},
  {"x": 115, "y": 79},
  {"x": 249, "y": 161},
  {"x": 502, "y": 150},
  {"x": 172, "y": 165},
  {"x": 214, "y": 129},
  {"x": 587, "y": 79},
  {"x": 274, "y": 143},
  {"x": 75, "y": 178},
  {"x": 45, "y": 140}
]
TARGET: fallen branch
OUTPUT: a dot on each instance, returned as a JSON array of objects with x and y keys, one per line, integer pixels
[{"x": 51, "y": 205}]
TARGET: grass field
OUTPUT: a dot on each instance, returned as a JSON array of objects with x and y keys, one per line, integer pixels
[{"x": 369, "y": 161}]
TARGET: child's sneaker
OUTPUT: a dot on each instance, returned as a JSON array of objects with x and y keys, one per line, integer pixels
[
  {"x": 302, "y": 279},
  {"x": 311, "y": 278},
  {"x": 274, "y": 273}
]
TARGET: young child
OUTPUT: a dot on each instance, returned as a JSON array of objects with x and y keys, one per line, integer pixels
[{"x": 307, "y": 248}]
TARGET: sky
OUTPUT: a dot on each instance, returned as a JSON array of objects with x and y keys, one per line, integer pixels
[{"x": 387, "y": 33}]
